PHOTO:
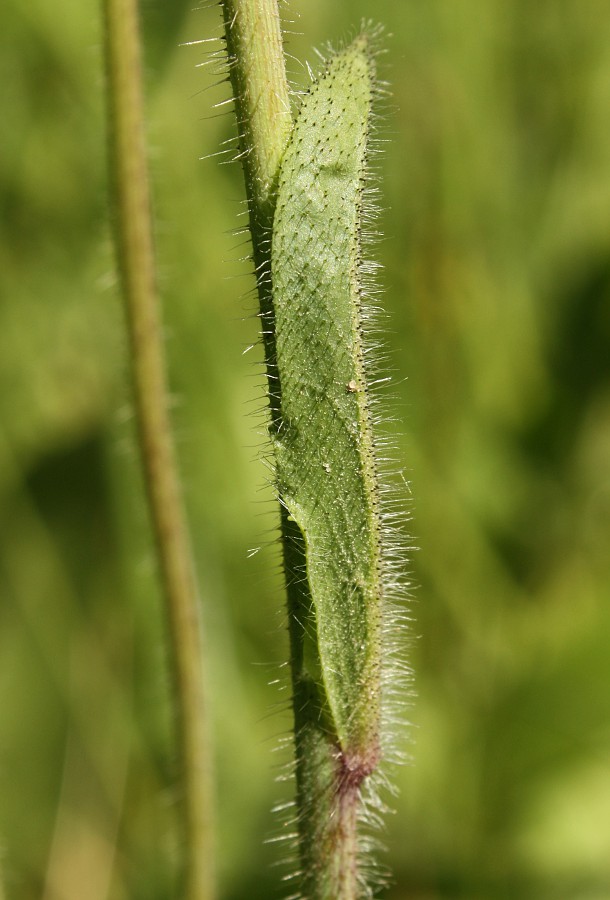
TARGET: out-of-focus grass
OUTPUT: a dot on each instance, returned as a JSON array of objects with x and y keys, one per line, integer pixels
[{"x": 497, "y": 188}]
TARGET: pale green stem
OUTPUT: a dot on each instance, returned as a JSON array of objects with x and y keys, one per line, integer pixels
[
  {"x": 129, "y": 173},
  {"x": 328, "y": 796},
  {"x": 260, "y": 87},
  {"x": 262, "y": 107}
]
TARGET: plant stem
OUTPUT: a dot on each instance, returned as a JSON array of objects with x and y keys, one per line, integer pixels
[
  {"x": 328, "y": 777},
  {"x": 260, "y": 88},
  {"x": 129, "y": 174}
]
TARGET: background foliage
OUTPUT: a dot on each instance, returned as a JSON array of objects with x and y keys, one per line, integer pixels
[{"x": 497, "y": 257}]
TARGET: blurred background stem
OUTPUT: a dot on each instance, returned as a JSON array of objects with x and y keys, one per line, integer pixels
[{"x": 133, "y": 226}]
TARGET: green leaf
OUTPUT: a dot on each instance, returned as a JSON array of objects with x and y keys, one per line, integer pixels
[{"x": 324, "y": 447}]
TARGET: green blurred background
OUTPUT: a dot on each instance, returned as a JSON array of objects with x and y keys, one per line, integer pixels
[{"x": 496, "y": 188}]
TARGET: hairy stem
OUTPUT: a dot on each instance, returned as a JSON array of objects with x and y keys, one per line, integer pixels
[
  {"x": 258, "y": 74},
  {"x": 336, "y": 746},
  {"x": 328, "y": 799},
  {"x": 129, "y": 175},
  {"x": 262, "y": 107}
]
